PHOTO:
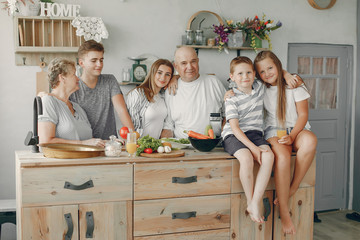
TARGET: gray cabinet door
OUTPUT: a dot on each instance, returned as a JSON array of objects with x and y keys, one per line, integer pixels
[{"x": 325, "y": 70}]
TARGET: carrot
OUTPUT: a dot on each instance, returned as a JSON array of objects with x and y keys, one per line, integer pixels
[
  {"x": 196, "y": 135},
  {"x": 211, "y": 133}
]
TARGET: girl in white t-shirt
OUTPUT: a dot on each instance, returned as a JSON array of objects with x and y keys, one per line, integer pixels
[{"x": 287, "y": 109}]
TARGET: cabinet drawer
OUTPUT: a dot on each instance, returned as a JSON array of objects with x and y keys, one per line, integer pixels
[
  {"x": 153, "y": 217},
  {"x": 221, "y": 234},
  {"x": 76, "y": 184},
  {"x": 181, "y": 179}
]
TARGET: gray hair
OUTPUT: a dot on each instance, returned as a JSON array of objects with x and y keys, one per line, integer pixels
[{"x": 56, "y": 67}]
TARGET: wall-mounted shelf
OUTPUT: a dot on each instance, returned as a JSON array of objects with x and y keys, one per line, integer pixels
[
  {"x": 238, "y": 49},
  {"x": 44, "y": 38}
]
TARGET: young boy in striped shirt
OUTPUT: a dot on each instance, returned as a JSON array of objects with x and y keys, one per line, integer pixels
[{"x": 243, "y": 134}]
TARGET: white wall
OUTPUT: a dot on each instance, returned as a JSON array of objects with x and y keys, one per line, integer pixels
[{"x": 155, "y": 27}]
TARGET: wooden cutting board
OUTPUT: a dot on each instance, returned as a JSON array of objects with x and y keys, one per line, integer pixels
[
  {"x": 42, "y": 84},
  {"x": 173, "y": 154}
]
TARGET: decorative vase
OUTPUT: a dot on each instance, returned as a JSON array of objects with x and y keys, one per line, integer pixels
[
  {"x": 236, "y": 39},
  {"x": 247, "y": 42},
  {"x": 30, "y": 9}
]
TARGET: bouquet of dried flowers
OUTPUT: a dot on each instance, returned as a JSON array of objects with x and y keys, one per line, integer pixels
[{"x": 256, "y": 28}]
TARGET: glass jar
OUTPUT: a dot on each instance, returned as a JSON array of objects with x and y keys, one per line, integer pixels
[
  {"x": 189, "y": 37},
  {"x": 238, "y": 38},
  {"x": 112, "y": 147},
  {"x": 199, "y": 37}
]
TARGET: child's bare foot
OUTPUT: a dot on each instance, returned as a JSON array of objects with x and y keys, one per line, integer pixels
[
  {"x": 287, "y": 225},
  {"x": 254, "y": 212},
  {"x": 276, "y": 201}
]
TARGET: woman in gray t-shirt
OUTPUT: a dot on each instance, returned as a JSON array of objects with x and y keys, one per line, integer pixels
[{"x": 64, "y": 121}]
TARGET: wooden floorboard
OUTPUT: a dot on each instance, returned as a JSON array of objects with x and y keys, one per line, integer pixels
[{"x": 334, "y": 225}]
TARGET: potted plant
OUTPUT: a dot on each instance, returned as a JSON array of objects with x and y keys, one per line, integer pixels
[{"x": 257, "y": 30}]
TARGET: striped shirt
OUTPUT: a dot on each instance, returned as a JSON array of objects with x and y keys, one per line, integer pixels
[
  {"x": 248, "y": 109},
  {"x": 137, "y": 103}
]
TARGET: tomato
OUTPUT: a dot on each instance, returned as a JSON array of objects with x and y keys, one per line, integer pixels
[
  {"x": 123, "y": 132},
  {"x": 148, "y": 150}
]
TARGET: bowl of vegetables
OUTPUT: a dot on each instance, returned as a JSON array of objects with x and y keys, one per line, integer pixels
[
  {"x": 204, "y": 145},
  {"x": 201, "y": 142}
]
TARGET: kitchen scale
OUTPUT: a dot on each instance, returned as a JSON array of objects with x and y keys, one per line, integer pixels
[{"x": 138, "y": 71}]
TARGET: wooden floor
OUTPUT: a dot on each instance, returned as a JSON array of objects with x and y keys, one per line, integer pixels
[{"x": 334, "y": 225}]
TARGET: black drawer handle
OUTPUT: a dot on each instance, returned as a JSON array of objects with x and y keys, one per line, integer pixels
[
  {"x": 267, "y": 207},
  {"x": 70, "y": 225},
  {"x": 88, "y": 184},
  {"x": 90, "y": 225},
  {"x": 184, "y": 215},
  {"x": 184, "y": 180}
]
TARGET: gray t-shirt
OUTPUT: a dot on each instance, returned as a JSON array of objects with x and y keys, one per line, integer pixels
[
  {"x": 98, "y": 105},
  {"x": 68, "y": 126}
]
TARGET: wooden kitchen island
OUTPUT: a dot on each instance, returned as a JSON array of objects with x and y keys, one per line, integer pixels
[{"x": 198, "y": 196}]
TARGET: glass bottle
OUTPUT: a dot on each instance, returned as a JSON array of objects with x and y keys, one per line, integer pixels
[{"x": 112, "y": 147}]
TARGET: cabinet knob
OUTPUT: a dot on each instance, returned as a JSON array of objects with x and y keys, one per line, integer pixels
[
  {"x": 260, "y": 227},
  {"x": 300, "y": 202}
]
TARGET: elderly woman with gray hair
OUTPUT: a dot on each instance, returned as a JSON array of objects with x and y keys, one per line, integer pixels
[{"x": 64, "y": 121}]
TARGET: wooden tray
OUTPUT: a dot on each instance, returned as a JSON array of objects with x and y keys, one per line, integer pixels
[
  {"x": 64, "y": 150},
  {"x": 173, "y": 154}
]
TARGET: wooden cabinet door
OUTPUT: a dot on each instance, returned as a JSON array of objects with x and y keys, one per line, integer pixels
[
  {"x": 50, "y": 223},
  {"x": 242, "y": 227},
  {"x": 112, "y": 220},
  {"x": 302, "y": 214}
]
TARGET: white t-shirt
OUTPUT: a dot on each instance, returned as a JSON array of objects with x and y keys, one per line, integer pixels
[
  {"x": 154, "y": 117},
  {"x": 292, "y": 96},
  {"x": 190, "y": 108}
]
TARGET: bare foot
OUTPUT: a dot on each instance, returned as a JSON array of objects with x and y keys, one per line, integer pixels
[
  {"x": 287, "y": 225},
  {"x": 254, "y": 212},
  {"x": 276, "y": 201}
]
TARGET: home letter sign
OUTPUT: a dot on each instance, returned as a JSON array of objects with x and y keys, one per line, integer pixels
[{"x": 59, "y": 10}]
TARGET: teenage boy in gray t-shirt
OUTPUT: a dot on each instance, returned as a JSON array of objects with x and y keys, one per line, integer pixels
[{"x": 99, "y": 94}]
